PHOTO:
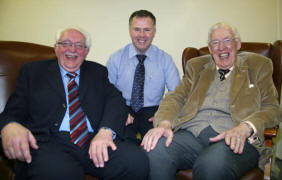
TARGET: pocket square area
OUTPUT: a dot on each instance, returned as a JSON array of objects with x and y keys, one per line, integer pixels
[{"x": 251, "y": 85}]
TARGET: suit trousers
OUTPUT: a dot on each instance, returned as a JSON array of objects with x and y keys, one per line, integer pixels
[
  {"x": 140, "y": 123},
  {"x": 208, "y": 160},
  {"x": 60, "y": 159}
]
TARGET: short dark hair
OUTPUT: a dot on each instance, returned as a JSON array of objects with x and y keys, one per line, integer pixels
[{"x": 142, "y": 13}]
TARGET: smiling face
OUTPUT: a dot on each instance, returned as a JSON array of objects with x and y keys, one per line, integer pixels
[
  {"x": 70, "y": 50},
  {"x": 142, "y": 32},
  {"x": 223, "y": 47}
]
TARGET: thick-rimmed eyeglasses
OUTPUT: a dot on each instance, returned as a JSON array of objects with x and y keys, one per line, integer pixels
[
  {"x": 226, "y": 42},
  {"x": 68, "y": 44}
]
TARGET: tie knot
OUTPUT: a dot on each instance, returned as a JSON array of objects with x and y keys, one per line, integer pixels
[
  {"x": 141, "y": 58},
  {"x": 222, "y": 73},
  {"x": 71, "y": 75}
]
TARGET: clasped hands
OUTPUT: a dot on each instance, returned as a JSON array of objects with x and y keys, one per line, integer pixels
[
  {"x": 235, "y": 138},
  {"x": 17, "y": 140},
  {"x": 130, "y": 120}
]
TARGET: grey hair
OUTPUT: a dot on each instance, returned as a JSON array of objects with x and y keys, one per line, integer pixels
[
  {"x": 233, "y": 29},
  {"x": 82, "y": 31}
]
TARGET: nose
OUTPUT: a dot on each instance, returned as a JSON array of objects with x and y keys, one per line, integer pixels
[
  {"x": 142, "y": 33},
  {"x": 72, "y": 48},
  {"x": 221, "y": 45}
]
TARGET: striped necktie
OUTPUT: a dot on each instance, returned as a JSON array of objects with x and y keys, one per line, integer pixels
[{"x": 78, "y": 125}]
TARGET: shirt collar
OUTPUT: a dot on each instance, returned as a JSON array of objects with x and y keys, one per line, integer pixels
[
  {"x": 133, "y": 52},
  {"x": 217, "y": 68},
  {"x": 64, "y": 72}
]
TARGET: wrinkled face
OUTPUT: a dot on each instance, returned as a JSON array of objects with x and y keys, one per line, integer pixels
[
  {"x": 70, "y": 50},
  {"x": 142, "y": 32},
  {"x": 223, "y": 47}
]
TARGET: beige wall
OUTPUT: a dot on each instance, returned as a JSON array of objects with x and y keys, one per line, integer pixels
[{"x": 180, "y": 23}]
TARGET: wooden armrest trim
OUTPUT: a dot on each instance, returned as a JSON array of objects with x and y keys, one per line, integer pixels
[{"x": 270, "y": 132}]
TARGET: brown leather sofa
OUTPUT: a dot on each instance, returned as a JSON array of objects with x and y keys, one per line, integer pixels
[
  {"x": 272, "y": 51},
  {"x": 14, "y": 54}
]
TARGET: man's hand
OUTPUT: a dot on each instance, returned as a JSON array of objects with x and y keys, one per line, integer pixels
[
  {"x": 129, "y": 120},
  {"x": 235, "y": 138},
  {"x": 152, "y": 137},
  {"x": 16, "y": 140},
  {"x": 98, "y": 150}
]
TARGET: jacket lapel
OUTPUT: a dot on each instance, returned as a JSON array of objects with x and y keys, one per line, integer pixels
[
  {"x": 205, "y": 79},
  {"x": 239, "y": 77},
  {"x": 83, "y": 84},
  {"x": 55, "y": 80}
]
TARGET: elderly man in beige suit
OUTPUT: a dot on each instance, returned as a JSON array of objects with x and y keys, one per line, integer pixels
[{"x": 214, "y": 120}]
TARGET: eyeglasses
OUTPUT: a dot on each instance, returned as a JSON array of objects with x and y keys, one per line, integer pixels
[
  {"x": 226, "y": 42},
  {"x": 68, "y": 44}
]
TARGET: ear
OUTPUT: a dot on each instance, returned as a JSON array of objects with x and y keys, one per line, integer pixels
[
  {"x": 56, "y": 49},
  {"x": 238, "y": 44},
  {"x": 86, "y": 52},
  {"x": 210, "y": 49},
  {"x": 155, "y": 30},
  {"x": 55, "y": 46}
]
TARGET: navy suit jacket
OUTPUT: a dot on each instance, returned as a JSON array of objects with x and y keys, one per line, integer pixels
[{"x": 39, "y": 101}]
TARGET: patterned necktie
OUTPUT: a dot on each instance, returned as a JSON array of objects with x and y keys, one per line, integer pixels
[
  {"x": 78, "y": 126},
  {"x": 222, "y": 73},
  {"x": 137, "y": 95}
]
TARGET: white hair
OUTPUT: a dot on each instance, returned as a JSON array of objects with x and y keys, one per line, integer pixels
[
  {"x": 83, "y": 32},
  {"x": 225, "y": 25}
]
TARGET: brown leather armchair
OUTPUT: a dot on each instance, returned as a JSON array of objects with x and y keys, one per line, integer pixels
[
  {"x": 12, "y": 56},
  {"x": 272, "y": 51}
]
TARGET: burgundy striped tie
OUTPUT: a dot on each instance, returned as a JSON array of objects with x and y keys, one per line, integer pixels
[{"x": 78, "y": 126}]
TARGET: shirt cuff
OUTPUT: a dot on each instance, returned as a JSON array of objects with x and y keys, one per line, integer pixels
[
  {"x": 114, "y": 133},
  {"x": 254, "y": 135}
]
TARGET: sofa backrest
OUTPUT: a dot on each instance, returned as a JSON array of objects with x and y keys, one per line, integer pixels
[{"x": 12, "y": 55}]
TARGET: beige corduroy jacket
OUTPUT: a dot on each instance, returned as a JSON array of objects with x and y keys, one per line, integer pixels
[{"x": 253, "y": 96}]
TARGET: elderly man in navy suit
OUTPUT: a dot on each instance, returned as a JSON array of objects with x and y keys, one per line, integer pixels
[{"x": 65, "y": 119}]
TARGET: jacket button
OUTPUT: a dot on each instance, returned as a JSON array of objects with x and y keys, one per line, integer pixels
[
  {"x": 64, "y": 105},
  {"x": 56, "y": 124}
]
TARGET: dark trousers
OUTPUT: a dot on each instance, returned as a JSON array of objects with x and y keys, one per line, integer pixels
[
  {"x": 59, "y": 158},
  {"x": 208, "y": 160},
  {"x": 140, "y": 123}
]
